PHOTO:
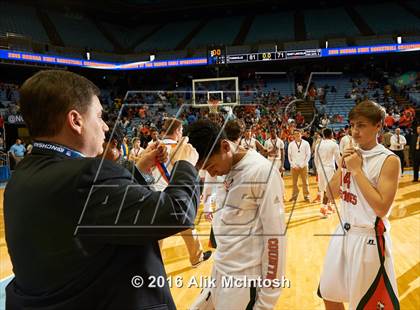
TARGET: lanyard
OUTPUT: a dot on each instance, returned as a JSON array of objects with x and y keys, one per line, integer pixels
[
  {"x": 274, "y": 144},
  {"x": 58, "y": 149},
  {"x": 162, "y": 167},
  {"x": 298, "y": 145}
]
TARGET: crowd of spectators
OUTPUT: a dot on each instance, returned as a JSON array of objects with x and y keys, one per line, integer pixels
[{"x": 142, "y": 119}]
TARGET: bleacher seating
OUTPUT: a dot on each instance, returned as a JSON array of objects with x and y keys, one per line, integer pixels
[
  {"x": 282, "y": 84},
  {"x": 21, "y": 20},
  {"x": 388, "y": 18},
  {"x": 336, "y": 102},
  {"x": 218, "y": 31},
  {"x": 271, "y": 27},
  {"x": 79, "y": 31},
  {"x": 327, "y": 23},
  {"x": 414, "y": 97}
]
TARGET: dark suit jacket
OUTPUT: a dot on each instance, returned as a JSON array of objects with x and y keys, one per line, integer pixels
[{"x": 78, "y": 230}]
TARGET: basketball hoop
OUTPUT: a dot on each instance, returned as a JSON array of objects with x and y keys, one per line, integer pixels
[{"x": 213, "y": 106}]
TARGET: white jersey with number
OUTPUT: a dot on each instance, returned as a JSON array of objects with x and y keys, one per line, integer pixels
[
  {"x": 354, "y": 207},
  {"x": 358, "y": 266},
  {"x": 327, "y": 154},
  {"x": 248, "y": 225}
]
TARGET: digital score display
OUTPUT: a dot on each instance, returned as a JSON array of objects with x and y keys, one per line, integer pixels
[{"x": 269, "y": 56}]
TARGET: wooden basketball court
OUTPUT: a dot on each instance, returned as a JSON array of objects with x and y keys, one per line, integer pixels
[{"x": 305, "y": 251}]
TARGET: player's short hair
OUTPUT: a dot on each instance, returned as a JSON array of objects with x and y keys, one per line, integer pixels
[
  {"x": 205, "y": 136},
  {"x": 368, "y": 109},
  {"x": 297, "y": 131},
  {"x": 327, "y": 133},
  {"x": 170, "y": 125},
  {"x": 234, "y": 129},
  {"x": 47, "y": 96}
]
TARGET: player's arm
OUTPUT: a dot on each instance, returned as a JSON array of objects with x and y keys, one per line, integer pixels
[
  {"x": 308, "y": 154},
  {"x": 289, "y": 154},
  {"x": 381, "y": 198},
  {"x": 260, "y": 147},
  {"x": 271, "y": 214},
  {"x": 282, "y": 154}
]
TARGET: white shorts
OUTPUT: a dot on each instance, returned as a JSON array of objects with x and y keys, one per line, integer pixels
[
  {"x": 225, "y": 298},
  {"x": 324, "y": 176},
  {"x": 359, "y": 269}
]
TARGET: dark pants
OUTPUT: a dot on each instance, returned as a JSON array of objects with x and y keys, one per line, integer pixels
[
  {"x": 416, "y": 165},
  {"x": 400, "y": 154}
]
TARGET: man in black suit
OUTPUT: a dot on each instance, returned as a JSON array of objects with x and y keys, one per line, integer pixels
[
  {"x": 415, "y": 153},
  {"x": 82, "y": 231}
]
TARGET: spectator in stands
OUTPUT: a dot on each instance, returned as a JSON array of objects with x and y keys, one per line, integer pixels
[
  {"x": 125, "y": 122},
  {"x": 300, "y": 120},
  {"x": 396, "y": 115},
  {"x": 125, "y": 151},
  {"x": 386, "y": 138},
  {"x": 325, "y": 121},
  {"x": 17, "y": 151},
  {"x": 154, "y": 134},
  {"x": 406, "y": 120},
  {"x": 389, "y": 120},
  {"x": 398, "y": 142}
]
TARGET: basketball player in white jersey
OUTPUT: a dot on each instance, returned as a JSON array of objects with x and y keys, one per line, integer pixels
[
  {"x": 233, "y": 130},
  {"x": 327, "y": 154},
  {"x": 249, "y": 142},
  {"x": 173, "y": 134},
  {"x": 248, "y": 224},
  {"x": 345, "y": 140},
  {"x": 358, "y": 267},
  {"x": 275, "y": 150}
]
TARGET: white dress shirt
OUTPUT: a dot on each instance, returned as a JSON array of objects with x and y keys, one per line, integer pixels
[
  {"x": 397, "y": 142},
  {"x": 299, "y": 154}
]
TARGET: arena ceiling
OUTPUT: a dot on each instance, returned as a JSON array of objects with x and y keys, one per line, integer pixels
[{"x": 130, "y": 12}]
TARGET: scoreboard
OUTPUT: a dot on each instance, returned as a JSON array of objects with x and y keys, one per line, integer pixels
[
  {"x": 216, "y": 55},
  {"x": 269, "y": 56}
]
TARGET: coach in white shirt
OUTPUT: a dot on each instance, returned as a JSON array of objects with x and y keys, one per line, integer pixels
[
  {"x": 299, "y": 153},
  {"x": 398, "y": 142}
]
